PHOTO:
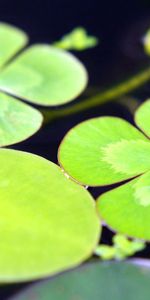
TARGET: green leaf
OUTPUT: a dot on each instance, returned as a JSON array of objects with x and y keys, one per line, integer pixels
[
  {"x": 98, "y": 281},
  {"x": 126, "y": 246},
  {"x": 146, "y": 42},
  {"x": 12, "y": 40},
  {"x": 44, "y": 75},
  {"x": 105, "y": 252},
  {"x": 126, "y": 209},
  {"x": 103, "y": 151},
  {"x": 122, "y": 248},
  {"x": 142, "y": 117},
  {"x": 48, "y": 223},
  {"x": 78, "y": 39},
  {"x": 18, "y": 121}
]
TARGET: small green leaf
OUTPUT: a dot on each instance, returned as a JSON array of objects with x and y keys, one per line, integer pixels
[
  {"x": 127, "y": 247},
  {"x": 48, "y": 223},
  {"x": 18, "y": 121},
  {"x": 122, "y": 248},
  {"x": 77, "y": 39},
  {"x": 44, "y": 75},
  {"x": 103, "y": 151},
  {"x": 98, "y": 281},
  {"x": 12, "y": 40},
  {"x": 105, "y": 252},
  {"x": 126, "y": 209},
  {"x": 142, "y": 117}
]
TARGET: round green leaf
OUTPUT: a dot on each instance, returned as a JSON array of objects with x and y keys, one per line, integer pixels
[
  {"x": 12, "y": 40},
  {"x": 103, "y": 151},
  {"x": 44, "y": 75},
  {"x": 18, "y": 121},
  {"x": 48, "y": 223},
  {"x": 98, "y": 281},
  {"x": 126, "y": 209},
  {"x": 142, "y": 117}
]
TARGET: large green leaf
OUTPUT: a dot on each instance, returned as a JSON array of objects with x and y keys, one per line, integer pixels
[
  {"x": 44, "y": 75},
  {"x": 48, "y": 223},
  {"x": 103, "y": 151},
  {"x": 12, "y": 40},
  {"x": 126, "y": 209},
  {"x": 18, "y": 121},
  {"x": 142, "y": 117},
  {"x": 98, "y": 281}
]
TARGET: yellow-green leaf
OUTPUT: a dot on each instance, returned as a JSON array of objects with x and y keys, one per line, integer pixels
[
  {"x": 48, "y": 223},
  {"x": 126, "y": 209},
  {"x": 44, "y": 75},
  {"x": 103, "y": 151}
]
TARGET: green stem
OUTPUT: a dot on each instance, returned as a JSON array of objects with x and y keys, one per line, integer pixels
[{"x": 102, "y": 97}]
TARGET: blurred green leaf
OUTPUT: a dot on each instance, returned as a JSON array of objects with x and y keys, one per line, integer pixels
[
  {"x": 127, "y": 247},
  {"x": 105, "y": 252},
  {"x": 78, "y": 39},
  {"x": 121, "y": 248},
  {"x": 146, "y": 42},
  {"x": 48, "y": 223},
  {"x": 44, "y": 75},
  {"x": 117, "y": 281}
]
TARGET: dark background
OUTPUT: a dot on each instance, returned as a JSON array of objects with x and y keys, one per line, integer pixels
[{"x": 120, "y": 26}]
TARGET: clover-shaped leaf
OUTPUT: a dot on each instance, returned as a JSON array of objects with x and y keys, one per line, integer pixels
[
  {"x": 96, "y": 281},
  {"x": 48, "y": 223},
  {"x": 108, "y": 150},
  {"x": 103, "y": 151},
  {"x": 42, "y": 74}
]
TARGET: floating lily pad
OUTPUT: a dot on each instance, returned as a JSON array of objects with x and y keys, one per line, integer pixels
[
  {"x": 18, "y": 121},
  {"x": 12, "y": 40},
  {"x": 103, "y": 151},
  {"x": 47, "y": 222},
  {"x": 44, "y": 75},
  {"x": 118, "y": 281},
  {"x": 126, "y": 209},
  {"x": 142, "y": 117}
]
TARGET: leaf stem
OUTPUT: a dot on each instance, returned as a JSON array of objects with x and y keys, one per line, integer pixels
[{"x": 110, "y": 94}]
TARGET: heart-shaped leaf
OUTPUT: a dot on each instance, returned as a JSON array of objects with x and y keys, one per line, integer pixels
[
  {"x": 98, "y": 281},
  {"x": 126, "y": 209},
  {"x": 12, "y": 40},
  {"x": 18, "y": 121},
  {"x": 142, "y": 117},
  {"x": 48, "y": 223},
  {"x": 103, "y": 151},
  {"x": 44, "y": 75}
]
